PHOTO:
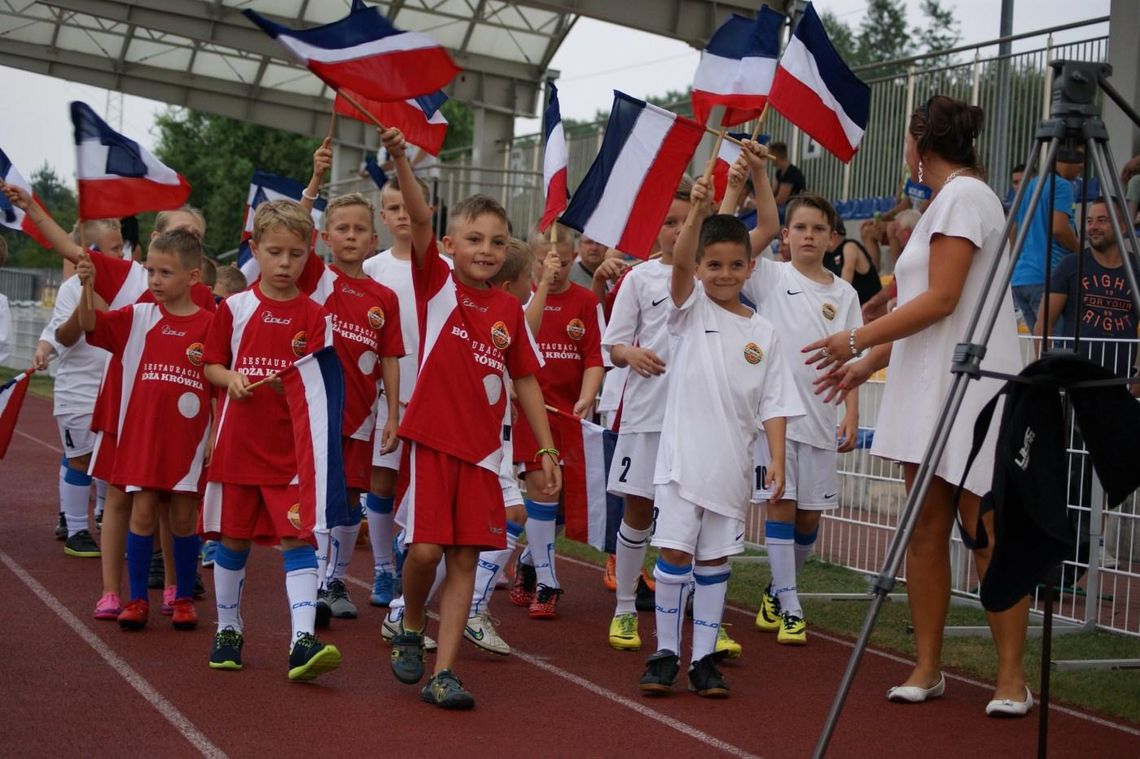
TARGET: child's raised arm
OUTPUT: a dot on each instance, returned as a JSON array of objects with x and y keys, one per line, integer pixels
[
  {"x": 322, "y": 161},
  {"x": 60, "y": 240},
  {"x": 418, "y": 210},
  {"x": 685, "y": 250},
  {"x": 537, "y": 306},
  {"x": 767, "y": 215}
]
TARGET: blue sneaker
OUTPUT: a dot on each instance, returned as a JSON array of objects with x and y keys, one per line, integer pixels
[
  {"x": 383, "y": 589},
  {"x": 209, "y": 548}
]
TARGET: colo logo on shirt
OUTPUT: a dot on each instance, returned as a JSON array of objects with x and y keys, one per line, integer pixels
[
  {"x": 300, "y": 342},
  {"x": 753, "y": 353},
  {"x": 194, "y": 353},
  {"x": 576, "y": 329},
  {"x": 828, "y": 311},
  {"x": 376, "y": 317},
  {"x": 500, "y": 336},
  {"x": 294, "y": 516}
]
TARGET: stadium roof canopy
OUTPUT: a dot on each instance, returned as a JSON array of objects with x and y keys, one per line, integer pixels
[{"x": 205, "y": 55}]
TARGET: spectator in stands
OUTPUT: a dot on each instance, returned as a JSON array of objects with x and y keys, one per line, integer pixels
[
  {"x": 590, "y": 254},
  {"x": 1015, "y": 175},
  {"x": 884, "y": 300},
  {"x": 849, "y": 260},
  {"x": 789, "y": 179},
  {"x": 1130, "y": 177},
  {"x": 1029, "y": 271}
]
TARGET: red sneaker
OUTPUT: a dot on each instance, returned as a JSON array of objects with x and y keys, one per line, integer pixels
[
  {"x": 134, "y": 614},
  {"x": 648, "y": 577},
  {"x": 609, "y": 578},
  {"x": 185, "y": 615},
  {"x": 522, "y": 592},
  {"x": 545, "y": 604}
]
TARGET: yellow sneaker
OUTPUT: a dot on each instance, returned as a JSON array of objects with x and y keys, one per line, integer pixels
[
  {"x": 623, "y": 633},
  {"x": 768, "y": 618},
  {"x": 726, "y": 647},
  {"x": 793, "y": 631}
]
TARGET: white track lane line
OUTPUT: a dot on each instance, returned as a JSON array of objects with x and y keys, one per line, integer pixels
[
  {"x": 903, "y": 660},
  {"x": 177, "y": 719},
  {"x": 35, "y": 439},
  {"x": 671, "y": 722}
]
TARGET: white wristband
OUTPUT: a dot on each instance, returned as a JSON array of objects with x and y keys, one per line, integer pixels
[{"x": 307, "y": 196}]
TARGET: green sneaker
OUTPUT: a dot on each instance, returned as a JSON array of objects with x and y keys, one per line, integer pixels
[
  {"x": 768, "y": 618},
  {"x": 447, "y": 692},
  {"x": 310, "y": 658},
  {"x": 226, "y": 653}
]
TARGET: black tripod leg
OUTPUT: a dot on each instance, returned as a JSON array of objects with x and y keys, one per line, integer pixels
[{"x": 1046, "y": 671}]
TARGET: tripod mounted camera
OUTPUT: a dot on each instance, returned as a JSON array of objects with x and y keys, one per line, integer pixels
[{"x": 1074, "y": 121}]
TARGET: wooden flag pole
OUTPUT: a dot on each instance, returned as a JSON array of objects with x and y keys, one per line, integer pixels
[
  {"x": 352, "y": 101},
  {"x": 332, "y": 125},
  {"x": 554, "y": 232},
  {"x": 760, "y": 123},
  {"x": 88, "y": 293},
  {"x": 720, "y": 135},
  {"x": 263, "y": 381}
]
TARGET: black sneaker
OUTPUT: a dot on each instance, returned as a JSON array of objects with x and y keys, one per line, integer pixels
[
  {"x": 81, "y": 544},
  {"x": 156, "y": 577},
  {"x": 226, "y": 653},
  {"x": 408, "y": 656},
  {"x": 324, "y": 611},
  {"x": 99, "y": 520},
  {"x": 706, "y": 680},
  {"x": 646, "y": 599},
  {"x": 61, "y": 528},
  {"x": 199, "y": 587},
  {"x": 447, "y": 692},
  {"x": 660, "y": 673},
  {"x": 310, "y": 658}
]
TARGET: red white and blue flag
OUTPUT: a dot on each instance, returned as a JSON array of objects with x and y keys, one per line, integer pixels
[
  {"x": 627, "y": 191},
  {"x": 737, "y": 67},
  {"x": 592, "y": 514},
  {"x": 554, "y": 161},
  {"x": 419, "y": 118},
  {"x": 365, "y": 53},
  {"x": 374, "y": 171},
  {"x": 265, "y": 186},
  {"x": 816, "y": 91},
  {"x": 118, "y": 177},
  {"x": 12, "y": 217},
  {"x": 314, "y": 390},
  {"x": 12, "y": 395},
  {"x": 725, "y": 157}
]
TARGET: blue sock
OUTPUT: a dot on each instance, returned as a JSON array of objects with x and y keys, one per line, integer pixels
[
  {"x": 186, "y": 549},
  {"x": 381, "y": 504},
  {"x": 140, "y": 548}
]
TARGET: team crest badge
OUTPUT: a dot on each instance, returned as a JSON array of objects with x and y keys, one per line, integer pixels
[
  {"x": 828, "y": 311},
  {"x": 500, "y": 336},
  {"x": 194, "y": 353},
  {"x": 376, "y": 317},
  {"x": 294, "y": 516},
  {"x": 300, "y": 342},
  {"x": 576, "y": 329},
  {"x": 753, "y": 353}
]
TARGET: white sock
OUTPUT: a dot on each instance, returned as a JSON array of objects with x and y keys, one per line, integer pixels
[
  {"x": 708, "y": 606},
  {"x": 380, "y": 536},
  {"x": 301, "y": 587},
  {"x": 341, "y": 545},
  {"x": 672, "y": 593},
  {"x": 526, "y": 557},
  {"x": 229, "y": 580},
  {"x": 782, "y": 559},
  {"x": 541, "y": 527},
  {"x": 804, "y": 546},
  {"x": 323, "y": 543},
  {"x": 74, "y": 494},
  {"x": 489, "y": 569},
  {"x": 631, "y": 545},
  {"x": 100, "y": 496}
]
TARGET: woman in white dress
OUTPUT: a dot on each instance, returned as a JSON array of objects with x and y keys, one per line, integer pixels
[{"x": 941, "y": 275}]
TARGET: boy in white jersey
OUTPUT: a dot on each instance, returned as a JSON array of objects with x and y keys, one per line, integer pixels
[
  {"x": 728, "y": 377},
  {"x": 805, "y": 302}
]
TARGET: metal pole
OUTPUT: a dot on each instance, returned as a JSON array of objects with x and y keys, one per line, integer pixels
[{"x": 999, "y": 148}]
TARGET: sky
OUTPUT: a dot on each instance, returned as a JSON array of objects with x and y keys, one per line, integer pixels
[{"x": 637, "y": 63}]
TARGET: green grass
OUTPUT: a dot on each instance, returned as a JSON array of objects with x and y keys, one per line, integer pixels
[
  {"x": 42, "y": 385},
  {"x": 1114, "y": 693}
]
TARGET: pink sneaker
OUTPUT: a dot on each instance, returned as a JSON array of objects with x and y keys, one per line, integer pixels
[
  {"x": 109, "y": 606},
  {"x": 168, "y": 594}
]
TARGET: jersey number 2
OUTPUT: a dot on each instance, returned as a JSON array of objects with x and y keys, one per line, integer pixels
[{"x": 625, "y": 463}]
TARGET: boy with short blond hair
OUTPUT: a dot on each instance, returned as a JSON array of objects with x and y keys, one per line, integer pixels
[
  {"x": 471, "y": 335},
  {"x": 252, "y": 493},
  {"x": 229, "y": 281}
]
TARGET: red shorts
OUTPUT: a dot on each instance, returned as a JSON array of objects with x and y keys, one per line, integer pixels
[
  {"x": 103, "y": 457},
  {"x": 357, "y": 463},
  {"x": 526, "y": 444},
  {"x": 264, "y": 513},
  {"x": 449, "y": 502}
]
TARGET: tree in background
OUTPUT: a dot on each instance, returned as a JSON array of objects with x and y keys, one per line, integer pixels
[
  {"x": 884, "y": 34},
  {"x": 59, "y": 200}
]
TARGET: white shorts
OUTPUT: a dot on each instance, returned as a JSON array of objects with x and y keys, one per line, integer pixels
[
  {"x": 811, "y": 475},
  {"x": 385, "y": 460},
  {"x": 684, "y": 526},
  {"x": 635, "y": 458},
  {"x": 76, "y": 434}
]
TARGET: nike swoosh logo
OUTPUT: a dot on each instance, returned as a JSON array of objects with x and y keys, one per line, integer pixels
[
  {"x": 659, "y": 302},
  {"x": 740, "y": 537},
  {"x": 712, "y": 331},
  {"x": 828, "y": 496},
  {"x": 796, "y": 292},
  {"x": 476, "y": 635}
]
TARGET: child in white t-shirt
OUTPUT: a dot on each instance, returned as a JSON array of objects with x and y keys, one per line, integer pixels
[{"x": 728, "y": 377}]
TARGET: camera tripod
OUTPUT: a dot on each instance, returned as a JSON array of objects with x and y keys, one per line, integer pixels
[{"x": 1073, "y": 121}]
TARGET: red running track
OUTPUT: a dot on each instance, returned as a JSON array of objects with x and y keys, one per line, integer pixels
[{"x": 77, "y": 686}]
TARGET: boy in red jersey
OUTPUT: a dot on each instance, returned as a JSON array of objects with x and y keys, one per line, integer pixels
[
  {"x": 366, "y": 333},
  {"x": 159, "y": 346},
  {"x": 568, "y": 325},
  {"x": 252, "y": 493},
  {"x": 470, "y": 334}
]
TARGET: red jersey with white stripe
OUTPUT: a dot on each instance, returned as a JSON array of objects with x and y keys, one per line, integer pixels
[
  {"x": 164, "y": 404},
  {"x": 468, "y": 338},
  {"x": 258, "y": 336},
  {"x": 366, "y": 327},
  {"x": 570, "y": 340},
  {"x": 121, "y": 282}
]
